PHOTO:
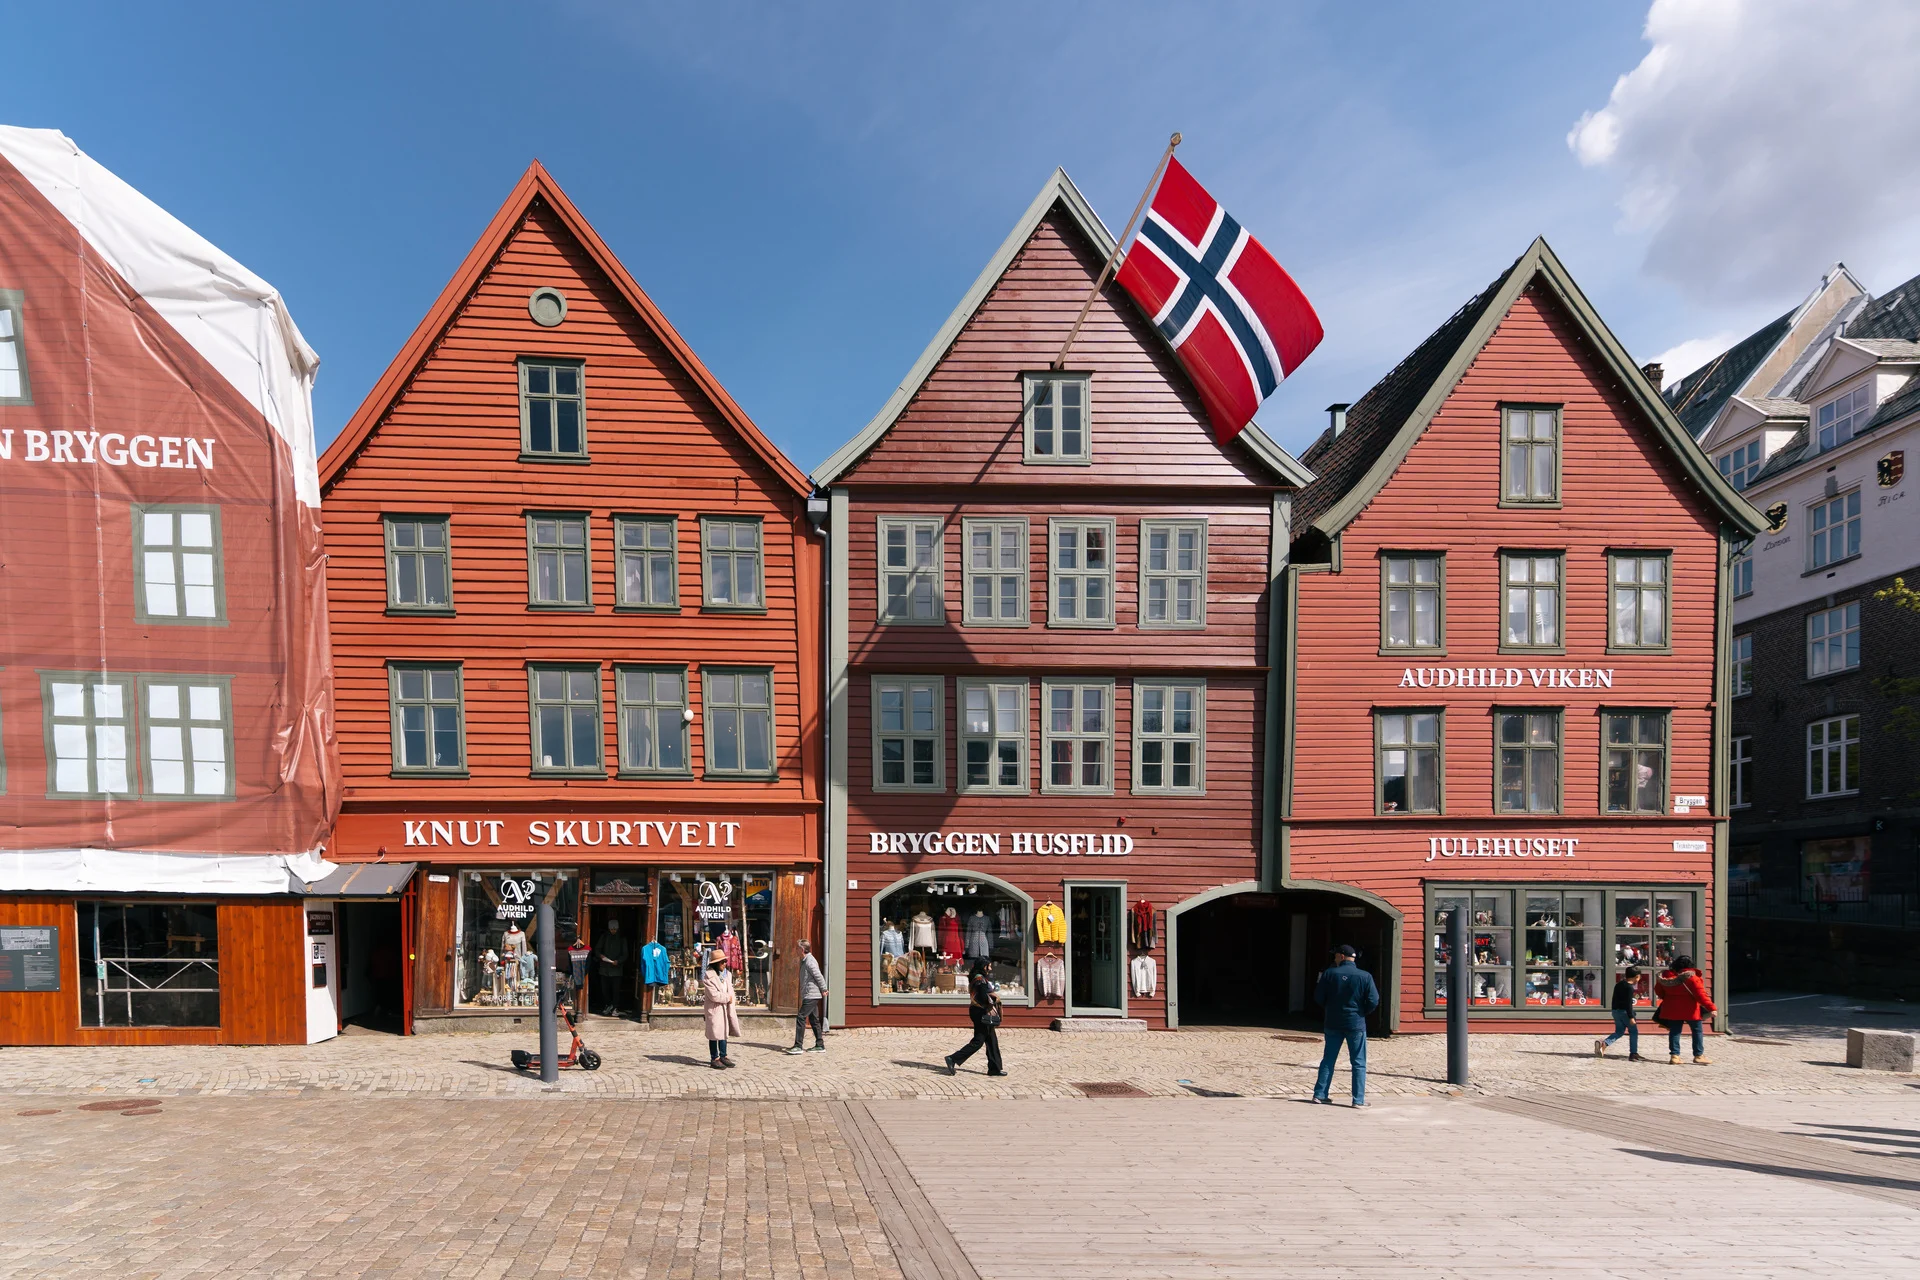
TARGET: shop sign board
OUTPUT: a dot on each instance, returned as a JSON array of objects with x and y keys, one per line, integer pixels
[
  {"x": 1501, "y": 846},
  {"x": 30, "y": 958},
  {"x": 1506, "y": 678},
  {"x": 973, "y": 844}
]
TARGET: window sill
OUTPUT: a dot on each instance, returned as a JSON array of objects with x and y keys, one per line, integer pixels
[
  {"x": 1630, "y": 651},
  {"x": 1024, "y": 790},
  {"x": 1549, "y": 651},
  {"x": 1831, "y": 795},
  {"x": 564, "y": 459},
  {"x": 1400, "y": 815},
  {"x": 654, "y": 775},
  {"x": 646, "y": 608},
  {"x": 1002, "y": 623},
  {"x": 1171, "y": 626},
  {"x": 880, "y": 789},
  {"x": 733, "y": 608},
  {"x": 1055, "y": 624},
  {"x": 880, "y": 621},
  {"x": 1409, "y": 652},
  {"x": 1058, "y": 462},
  {"x": 715, "y": 775},
  {"x": 1168, "y": 793},
  {"x": 147, "y": 621},
  {"x": 1522, "y": 504},
  {"x": 426, "y": 775},
  {"x": 588, "y": 775},
  {"x": 402, "y": 611},
  {"x": 1075, "y": 791},
  {"x": 1831, "y": 565},
  {"x": 536, "y": 607}
]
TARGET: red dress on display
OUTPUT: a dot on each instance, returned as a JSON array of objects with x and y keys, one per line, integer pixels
[{"x": 949, "y": 929}]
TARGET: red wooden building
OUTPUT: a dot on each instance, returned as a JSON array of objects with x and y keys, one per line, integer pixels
[
  {"x": 576, "y": 622},
  {"x": 1507, "y": 624},
  {"x": 1049, "y": 671}
]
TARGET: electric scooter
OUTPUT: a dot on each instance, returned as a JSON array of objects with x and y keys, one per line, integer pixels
[{"x": 577, "y": 1055}]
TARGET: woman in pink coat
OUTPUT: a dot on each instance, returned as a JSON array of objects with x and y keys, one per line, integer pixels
[{"x": 716, "y": 987}]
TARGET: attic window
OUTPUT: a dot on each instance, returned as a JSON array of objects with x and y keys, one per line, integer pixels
[
  {"x": 14, "y": 387},
  {"x": 1841, "y": 417},
  {"x": 552, "y": 410},
  {"x": 1059, "y": 424},
  {"x": 547, "y": 305}
]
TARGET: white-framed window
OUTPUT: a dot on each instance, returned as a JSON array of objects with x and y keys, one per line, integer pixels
[
  {"x": 1080, "y": 573},
  {"x": 1173, "y": 573},
  {"x": 1640, "y": 595},
  {"x": 1078, "y": 732},
  {"x": 1059, "y": 425},
  {"x": 910, "y": 586},
  {"x": 1833, "y": 640},
  {"x": 1840, "y": 417},
  {"x": 1169, "y": 737},
  {"x": 1740, "y": 569},
  {"x": 177, "y": 556},
  {"x": 1740, "y": 665},
  {"x": 993, "y": 735},
  {"x": 1533, "y": 600},
  {"x": 996, "y": 572},
  {"x": 1741, "y": 464},
  {"x": 188, "y": 726},
  {"x": 1833, "y": 530},
  {"x": 1413, "y": 601},
  {"x": 907, "y": 712},
  {"x": 89, "y": 724},
  {"x": 1833, "y": 757},
  {"x": 1740, "y": 773}
]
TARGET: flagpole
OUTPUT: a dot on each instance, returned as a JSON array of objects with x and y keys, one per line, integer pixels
[{"x": 1060, "y": 360}]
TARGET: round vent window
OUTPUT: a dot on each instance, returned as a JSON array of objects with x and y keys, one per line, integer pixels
[{"x": 547, "y": 306}]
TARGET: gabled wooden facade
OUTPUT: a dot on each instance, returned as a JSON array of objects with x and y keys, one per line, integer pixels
[
  {"x": 576, "y": 623},
  {"x": 952, "y": 527},
  {"x": 1506, "y": 683}
]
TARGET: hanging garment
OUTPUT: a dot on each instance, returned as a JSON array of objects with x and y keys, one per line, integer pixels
[
  {"x": 921, "y": 934},
  {"x": 1050, "y": 923},
  {"x": 736, "y": 954},
  {"x": 1143, "y": 933},
  {"x": 979, "y": 936},
  {"x": 1005, "y": 922},
  {"x": 1050, "y": 976},
  {"x": 892, "y": 942},
  {"x": 1146, "y": 975},
  {"x": 654, "y": 970},
  {"x": 949, "y": 926}
]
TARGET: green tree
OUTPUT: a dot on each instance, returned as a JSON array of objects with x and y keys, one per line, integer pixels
[{"x": 1905, "y": 718}]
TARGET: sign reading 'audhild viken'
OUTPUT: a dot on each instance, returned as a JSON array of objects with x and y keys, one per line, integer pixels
[{"x": 1506, "y": 678}]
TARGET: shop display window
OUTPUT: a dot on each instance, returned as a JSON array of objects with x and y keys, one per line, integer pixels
[
  {"x": 494, "y": 943},
  {"x": 149, "y": 964},
  {"x": 702, "y": 912},
  {"x": 1566, "y": 946},
  {"x": 929, "y": 932}
]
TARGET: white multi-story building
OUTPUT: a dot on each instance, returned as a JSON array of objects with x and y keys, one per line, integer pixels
[{"x": 1813, "y": 417}]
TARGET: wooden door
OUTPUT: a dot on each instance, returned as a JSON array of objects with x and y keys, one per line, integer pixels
[
  {"x": 433, "y": 951},
  {"x": 791, "y": 922},
  {"x": 263, "y": 972}
]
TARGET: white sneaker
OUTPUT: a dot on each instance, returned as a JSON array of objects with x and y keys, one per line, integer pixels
[{"x": 1600, "y": 1047}]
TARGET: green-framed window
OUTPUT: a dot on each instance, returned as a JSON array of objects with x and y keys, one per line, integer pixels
[
  {"x": 15, "y": 386},
  {"x": 1640, "y": 601},
  {"x": 653, "y": 721},
  {"x": 1080, "y": 573},
  {"x": 910, "y": 556},
  {"x": 187, "y": 729},
  {"x": 1059, "y": 419},
  {"x": 566, "y": 718},
  {"x": 1535, "y": 602},
  {"x": 732, "y": 564},
  {"x": 739, "y": 704},
  {"x": 996, "y": 572},
  {"x": 1530, "y": 458},
  {"x": 1409, "y": 760},
  {"x": 1078, "y": 736},
  {"x": 89, "y": 723},
  {"x": 429, "y": 718},
  {"x": 647, "y": 549},
  {"x": 558, "y": 556},
  {"x": 553, "y": 410},
  {"x": 1527, "y": 759},
  {"x": 1413, "y": 602},
  {"x": 179, "y": 575},
  {"x": 993, "y": 735},
  {"x": 1555, "y": 949},
  {"x": 908, "y": 733},
  {"x": 1170, "y": 737},
  {"x": 1634, "y": 747},
  {"x": 1173, "y": 574},
  {"x": 419, "y": 564}
]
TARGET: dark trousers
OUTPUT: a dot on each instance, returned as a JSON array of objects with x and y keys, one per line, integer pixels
[
  {"x": 810, "y": 1015},
  {"x": 1355, "y": 1038},
  {"x": 718, "y": 1048},
  {"x": 988, "y": 1036}
]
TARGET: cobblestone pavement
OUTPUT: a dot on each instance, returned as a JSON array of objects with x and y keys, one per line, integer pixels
[{"x": 899, "y": 1063}]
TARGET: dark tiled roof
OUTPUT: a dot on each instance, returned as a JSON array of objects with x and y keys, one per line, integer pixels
[
  {"x": 1894, "y": 314},
  {"x": 1374, "y": 420},
  {"x": 1898, "y": 405},
  {"x": 1698, "y": 398},
  {"x": 1791, "y": 454}
]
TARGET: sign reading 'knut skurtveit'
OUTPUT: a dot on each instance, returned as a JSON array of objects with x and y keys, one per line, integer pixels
[
  {"x": 1506, "y": 678},
  {"x": 591, "y": 833},
  {"x": 1075, "y": 844}
]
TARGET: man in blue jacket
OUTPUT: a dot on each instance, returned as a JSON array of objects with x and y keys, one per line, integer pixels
[{"x": 1348, "y": 995}]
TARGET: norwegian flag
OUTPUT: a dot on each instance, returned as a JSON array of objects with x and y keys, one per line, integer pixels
[{"x": 1235, "y": 318}]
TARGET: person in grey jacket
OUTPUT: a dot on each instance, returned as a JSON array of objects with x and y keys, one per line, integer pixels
[
  {"x": 1348, "y": 994},
  {"x": 813, "y": 1002}
]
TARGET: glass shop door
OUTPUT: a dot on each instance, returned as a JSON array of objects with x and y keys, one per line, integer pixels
[{"x": 1096, "y": 953}]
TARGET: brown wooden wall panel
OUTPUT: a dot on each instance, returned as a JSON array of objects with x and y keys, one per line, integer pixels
[
  {"x": 433, "y": 940},
  {"x": 263, "y": 973},
  {"x": 43, "y": 1017}
]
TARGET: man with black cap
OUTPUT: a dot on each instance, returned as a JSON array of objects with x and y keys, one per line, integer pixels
[{"x": 1348, "y": 995}]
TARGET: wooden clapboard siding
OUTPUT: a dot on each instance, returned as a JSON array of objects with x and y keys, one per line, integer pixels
[
  {"x": 1621, "y": 489},
  {"x": 955, "y": 453},
  {"x": 263, "y": 973}
]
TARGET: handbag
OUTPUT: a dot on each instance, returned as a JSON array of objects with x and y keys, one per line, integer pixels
[{"x": 990, "y": 1016}]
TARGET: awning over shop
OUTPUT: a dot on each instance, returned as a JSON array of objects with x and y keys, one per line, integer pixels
[
  {"x": 135, "y": 871},
  {"x": 362, "y": 880}
]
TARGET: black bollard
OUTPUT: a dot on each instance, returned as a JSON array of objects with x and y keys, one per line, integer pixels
[
  {"x": 549, "y": 1029},
  {"x": 1459, "y": 976}
]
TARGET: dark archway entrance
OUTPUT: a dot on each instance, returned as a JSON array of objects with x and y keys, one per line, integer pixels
[{"x": 1251, "y": 959}]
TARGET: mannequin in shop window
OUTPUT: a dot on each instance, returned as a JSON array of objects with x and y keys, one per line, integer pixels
[
  {"x": 921, "y": 932},
  {"x": 979, "y": 935},
  {"x": 949, "y": 926}
]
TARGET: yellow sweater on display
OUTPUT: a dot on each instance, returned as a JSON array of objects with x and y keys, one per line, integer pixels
[{"x": 1050, "y": 923}]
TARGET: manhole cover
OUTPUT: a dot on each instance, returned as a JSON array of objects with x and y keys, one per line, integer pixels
[
  {"x": 1111, "y": 1089},
  {"x": 117, "y": 1104}
]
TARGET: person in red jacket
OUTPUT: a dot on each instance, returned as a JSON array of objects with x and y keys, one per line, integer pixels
[{"x": 1683, "y": 999}]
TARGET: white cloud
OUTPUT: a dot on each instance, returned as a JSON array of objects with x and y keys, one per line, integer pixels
[
  {"x": 1681, "y": 359},
  {"x": 1759, "y": 141}
]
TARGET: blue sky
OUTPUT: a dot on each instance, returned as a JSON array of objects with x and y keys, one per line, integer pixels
[{"x": 807, "y": 190}]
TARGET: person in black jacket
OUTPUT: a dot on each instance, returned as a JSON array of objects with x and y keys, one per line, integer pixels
[
  {"x": 983, "y": 1010},
  {"x": 1348, "y": 994},
  {"x": 1623, "y": 1023}
]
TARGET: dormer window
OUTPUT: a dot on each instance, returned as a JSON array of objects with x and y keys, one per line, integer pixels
[
  {"x": 1741, "y": 465},
  {"x": 1839, "y": 418}
]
